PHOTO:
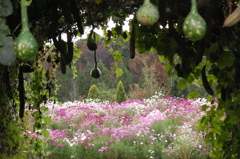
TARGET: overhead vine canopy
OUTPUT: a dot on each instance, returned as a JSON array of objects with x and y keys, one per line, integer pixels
[{"x": 214, "y": 57}]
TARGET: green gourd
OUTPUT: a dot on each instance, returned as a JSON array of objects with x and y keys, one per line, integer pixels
[
  {"x": 147, "y": 14},
  {"x": 95, "y": 72},
  {"x": 194, "y": 26},
  {"x": 91, "y": 44},
  {"x": 25, "y": 46}
]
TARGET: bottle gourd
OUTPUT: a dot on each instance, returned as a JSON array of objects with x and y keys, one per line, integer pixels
[
  {"x": 147, "y": 14},
  {"x": 91, "y": 44},
  {"x": 25, "y": 46},
  {"x": 95, "y": 72},
  {"x": 194, "y": 26}
]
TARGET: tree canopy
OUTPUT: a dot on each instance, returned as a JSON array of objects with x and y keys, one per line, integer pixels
[{"x": 214, "y": 58}]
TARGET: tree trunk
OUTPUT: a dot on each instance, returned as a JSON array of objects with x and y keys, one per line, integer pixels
[{"x": 9, "y": 132}]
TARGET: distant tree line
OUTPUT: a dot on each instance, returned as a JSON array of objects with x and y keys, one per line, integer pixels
[{"x": 141, "y": 77}]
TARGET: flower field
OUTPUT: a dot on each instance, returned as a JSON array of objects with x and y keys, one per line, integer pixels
[{"x": 156, "y": 128}]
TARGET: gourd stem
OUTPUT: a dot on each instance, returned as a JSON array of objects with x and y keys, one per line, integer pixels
[
  {"x": 95, "y": 58},
  {"x": 94, "y": 55},
  {"x": 194, "y": 5},
  {"x": 24, "y": 15},
  {"x": 146, "y": 1}
]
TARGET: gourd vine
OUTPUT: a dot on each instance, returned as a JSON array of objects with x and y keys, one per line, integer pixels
[{"x": 36, "y": 94}]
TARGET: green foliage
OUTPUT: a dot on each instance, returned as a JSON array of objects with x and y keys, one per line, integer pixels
[
  {"x": 118, "y": 72},
  {"x": 120, "y": 95},
  {"x": 105, "y": 77},
  {"x": 147, "y": 85},
  {"x": 6, "y": 8},
  {"x": 84, "y": 80},
  {"x": 220, "y": 48},
  {"x": 126, "y": 78},
  {"x": 189, "y": 88},
  {"x": 7, "y": 56},
  {"x": 67, "y": 86},
  {"x": 181, "y": 83},
  {"x": 178, "y": 88},
  {"x": 106, "y": 94},
  {"x": 36, "y": 96},
  {"x": 93, "y": 92},
  {"x": 117, "y": 56},
  {"x": 10, "y": 133}
]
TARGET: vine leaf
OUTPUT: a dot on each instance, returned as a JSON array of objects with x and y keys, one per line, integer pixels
[
  {"x": 77, "y": 52},
  {"x": 98, "y": 1},
  {"x": 4, "y": 30},
  {"x": 193, "y": 95},
  {"x": 234, "y": 119},
  {"x": 6, "y": 8},
  {"x": 117, "y": 56},
  {"x": 225, "y": 60},
  {"x": 213, "y": 48},
  {"x": 181, "y": 83},
  {"x": 7, "y": 56},
  {"x": 119, "y": 72},
  {"x": 45, "y": 133},
  {"x": 204, "y": 108}
]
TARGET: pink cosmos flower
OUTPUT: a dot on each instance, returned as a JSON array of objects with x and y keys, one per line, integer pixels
[
  {"x": 60, "y": 145},
  {"x": 129, "y": 137},
  {"x": 103, "y": 148}
]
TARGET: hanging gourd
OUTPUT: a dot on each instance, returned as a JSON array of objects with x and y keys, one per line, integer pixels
[
  {"x": 194, "y": 26},
  {"x": 95, "y": 72},
  {"x": 91, "y": 44},
  {"x": 147, "y": 14},
  {"x": 25, "y": 46}
]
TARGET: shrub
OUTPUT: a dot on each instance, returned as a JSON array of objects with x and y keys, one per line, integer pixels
[
  {"x": 121, "y": 95},
  {"x": 107, "y": 93},
  {"x": 93, "y": 92}
]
